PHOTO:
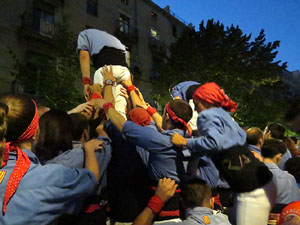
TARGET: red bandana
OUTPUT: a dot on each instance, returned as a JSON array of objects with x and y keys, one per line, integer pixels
[
  {"x": 212, "y": 93},
  {"x": 140, "y": 116},
  {"x": 176, "y": 118},
  {"x": 22, "y": 163}
]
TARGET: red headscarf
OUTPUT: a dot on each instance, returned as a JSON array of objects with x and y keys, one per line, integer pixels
[
  {"x": 175, "y": 118},
  {"x": 22, "y": 164},
  {"x": 140, "y": 116},
  {"x": 212, "y": 93}
]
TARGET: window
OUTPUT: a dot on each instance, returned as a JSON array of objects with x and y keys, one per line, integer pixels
[
  {"x": 174, "y": 30},
  {"x": 92, "y": 7},
  {"x": 153, "y": 15},
  {"x": 125, "y": 1},
  {"x": 43, "y": 22},
  {"x": 154, "y": 34},
  {"x": 124, "y": 24}
]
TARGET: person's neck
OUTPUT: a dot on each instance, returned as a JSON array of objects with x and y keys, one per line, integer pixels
[
  {"x": 268, "y": 160},
  {"x": 25, "y": 145}
]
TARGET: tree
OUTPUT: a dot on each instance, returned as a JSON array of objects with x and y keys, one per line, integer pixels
[
  {"x": 244, "y": 68},
  {"x": 52, "y": 77}
]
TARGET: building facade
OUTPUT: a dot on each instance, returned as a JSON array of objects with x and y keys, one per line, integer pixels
[{"x": 146, "y": 29}]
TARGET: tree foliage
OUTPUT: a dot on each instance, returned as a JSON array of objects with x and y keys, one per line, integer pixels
[
  {"x": 245, "y": 68},
  {"x": 52, "y": 77}
]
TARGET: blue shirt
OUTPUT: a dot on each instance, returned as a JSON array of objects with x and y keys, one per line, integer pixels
[
  {"x": 285, "y": 157},
  {"x": 255, "y": 149},
  {"x": 287, "y": 188},
  {"x": 180, "y": 89},
  {"x": 202, "y": 216},
  {"x": 75, "y": 158},
  {"x": 217, "y": 132},
  {"x": 165, "y": 160},
  {"x": 45, "y": 192},
  {"x": 93, "y": 40}
]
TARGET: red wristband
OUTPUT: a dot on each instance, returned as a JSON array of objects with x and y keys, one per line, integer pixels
[
  {"x": 107, "y": 106},
  {"x": 151, "y": 110},
  {"x": 86, "y": 80},
  {"x": 96, "y": 96},
  {"x": 131, "y": 88},
  {"x": 155, "y": 204}
]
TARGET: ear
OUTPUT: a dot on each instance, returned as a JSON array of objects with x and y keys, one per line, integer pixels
[
  {"x": 167, "y": 116},
  {"x": 278, "y": 158},
  {"x": 86, "y": 135}
]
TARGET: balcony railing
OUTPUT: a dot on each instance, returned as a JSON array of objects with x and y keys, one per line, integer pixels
[{"x": 126, "y": 32}]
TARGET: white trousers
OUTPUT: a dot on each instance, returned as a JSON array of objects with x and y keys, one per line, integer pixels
[
  {"x": 121, "y": 73},
  {"x": 253, "y": 208}
]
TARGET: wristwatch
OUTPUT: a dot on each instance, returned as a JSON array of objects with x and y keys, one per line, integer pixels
[{"x": 108, "y": 82}]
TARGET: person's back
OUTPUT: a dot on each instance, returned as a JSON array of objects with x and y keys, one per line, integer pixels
[{"x": 287, "y": 189}]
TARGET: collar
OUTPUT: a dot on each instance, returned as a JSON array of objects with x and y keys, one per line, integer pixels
[
  {"x": 203, "y": 211},
  {"x": 254, "y": 148},
  {"x": 272, "y": 165},
  {"x": 171, "y": 132}
]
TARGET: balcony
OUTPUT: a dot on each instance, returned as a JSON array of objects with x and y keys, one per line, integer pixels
[
  {"x": 126, "y": 33},
  {"x": 157, "y": 47}
]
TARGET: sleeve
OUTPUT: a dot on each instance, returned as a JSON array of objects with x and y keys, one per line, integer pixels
[
  {"x": 176, "y": 92},
  {"x": 70, "y": 188},
  {"x": 83, "y": 42},
  {"x": 146, "y": 137},
  {"x": 295, "y": 191},
  {"x": 213, "y": 138},
  {"x": 72, "y": 158}
]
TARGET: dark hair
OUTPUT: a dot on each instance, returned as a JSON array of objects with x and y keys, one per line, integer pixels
[
  {"x": 272, "y": 147},
  {"x": 253, "y": 135},
  {"x": 190, "y": 91},
  {"x": 277, "y": 130},
  {"x": 194, "y": 192},
  {"x": 79, "y": 124},
  {"x": 55, "y": 135},
  {"x": 293, "y": 167},
  {"x": 21, "y": 110},
  {"x": 183, "y": 110},
  {"x": 3, "y": 126},
  {"x": 295, "y": 139}
]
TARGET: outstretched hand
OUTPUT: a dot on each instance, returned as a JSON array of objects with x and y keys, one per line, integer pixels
[
  {"x": 166, "y": 189},
  {"x": 93, "y": 145},
  {"x": 179, "y": 140},
  {"x": 87, "y": 92},
  {"x": 108, "y": 73}
]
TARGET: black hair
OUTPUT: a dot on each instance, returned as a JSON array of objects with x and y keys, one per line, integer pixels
[
  {"x": 190, "y": 91},
  {"x": 293, "y": 167},
  {"x": 277, "y": 130},
  {"x": 253, "y": 135},
  {"x": 55, "y": 135},
  {"x": 272, "y": 147},
  {"x": 21, "y": 111},
  {"x": 194, "y": 192},
  {"x": 181, "y": 109},
  {"x": 79, "y": 124}
]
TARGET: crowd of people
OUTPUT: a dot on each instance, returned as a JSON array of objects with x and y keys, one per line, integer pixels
[{"x": 115, "y": 160}]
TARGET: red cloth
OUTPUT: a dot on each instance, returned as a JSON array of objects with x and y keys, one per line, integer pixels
[
  {"x": 23, "y": 162},
  {"x": 177, "y": 119},
  {"x": 212, "y": 93},
  {"x": 107, "y": 106},
  {"x": 155, "y": 204},
  {"x": 86, "y": 80},
  {"x": 151, "y": 110},
  {"x": 96, "y": 96},
  {"x": 290, "y": 214},
  {"x": 140, "y": 116},
  {"x": 131, "y": 88}
]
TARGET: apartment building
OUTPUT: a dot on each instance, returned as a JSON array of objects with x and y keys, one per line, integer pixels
[{"x": 26, "y": 27}]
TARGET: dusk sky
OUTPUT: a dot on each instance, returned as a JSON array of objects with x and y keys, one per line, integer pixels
[{"x": 279, "y": 18}]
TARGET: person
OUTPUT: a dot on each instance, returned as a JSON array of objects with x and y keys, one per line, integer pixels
[
  {"x": 80, "y": 129},
  {"x": 272, "y": 151},
  {"x": 196, "y": 195},
  {"x": 254, "y": 141},
  {"x": 293, "y": 167},
  {"x": 185, "y": 90},
  {"x": 216, "y": 127},
  {"x": 276, "y": 130},
  {"x": 41, "y": 193}
]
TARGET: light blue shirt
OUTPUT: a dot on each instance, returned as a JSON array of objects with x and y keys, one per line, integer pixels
[
  {"x": 75, "y": 158},
  {"x": 287, "y": 188},
  {"x": 45, "y": 192},
  {"x": 217, "y": 132},
  {"x": 180, "y": 89},
  {"x": 285, "y": 157},
  {"x": 165, "y": 160},
  {"x": 202, "y": 216},
  {"x": 93, "y": 40}
]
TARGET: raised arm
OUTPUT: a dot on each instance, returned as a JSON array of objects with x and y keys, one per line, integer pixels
[
  {"x": 84, "y": 58},
  {"x": 164, "y": 191},
  {"x": 135, "y": 99}
]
